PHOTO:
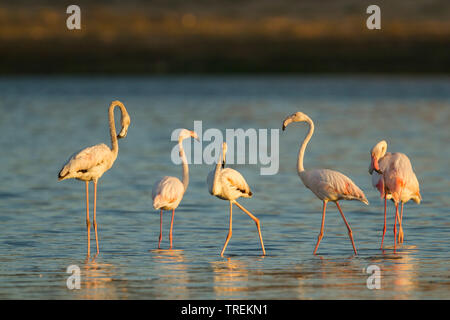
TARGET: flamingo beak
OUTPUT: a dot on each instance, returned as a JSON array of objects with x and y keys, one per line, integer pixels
[
  {"x": 195, "y": 136},
  {"x": 123, "y": 133},
  {"x": 286, "y": 123},
  {"x": 374, "y": 166}
]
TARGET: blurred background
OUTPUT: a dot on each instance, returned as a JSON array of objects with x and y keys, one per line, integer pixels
[{"x": 224, "y": 36}]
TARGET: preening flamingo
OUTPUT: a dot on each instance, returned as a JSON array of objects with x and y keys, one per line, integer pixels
[
  {"x": 393, "y": 176},
  {"x": 229, "y": 184},
  {"x": 91, "y": 163},
  {"x": 168, "y": 192},
  {"x": 327, "y": 185}
]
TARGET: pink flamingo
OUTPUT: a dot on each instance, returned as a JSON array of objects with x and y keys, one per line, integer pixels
[
  {"x": 393, "y": 176},
  {"x": 91, "y": 163},
  {"x": 327, "y": 185},
  {"x": 168, "y": 192}
]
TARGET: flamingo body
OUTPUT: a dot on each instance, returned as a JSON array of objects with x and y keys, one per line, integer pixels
[
  {"x": 89, "y": 164},
  {"x": 398, "y": 180},
  {"x": 167, "y": 193},
  {"x": 231, "y": 185},
  {"x": 332, "y": 185}
]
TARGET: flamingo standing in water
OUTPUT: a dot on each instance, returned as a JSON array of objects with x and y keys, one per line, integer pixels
[
  {"x": 168, "y": 192},
  {"x": 327, "y": 185},
  {"x": 229, "y": 184},
  {"x": 393, "y": 176},
  {"x": 91, "y": 163}
]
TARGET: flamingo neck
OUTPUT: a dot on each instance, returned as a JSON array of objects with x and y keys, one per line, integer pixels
[
  {"x": 185, "y": 166},
  {"x": 220, "y": 164},
  {"x": 301, "y": 152},
  {"x": 112, "y": 125}
]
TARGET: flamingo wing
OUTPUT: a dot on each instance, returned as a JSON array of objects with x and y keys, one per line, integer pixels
[
  {"x": 85, "y": 160},
  {"x": 167, "y": 193},
  {"x": 400, "y": 179},
  {"x": 333, "y": 185},
  {"x": 236, "y": 182}
]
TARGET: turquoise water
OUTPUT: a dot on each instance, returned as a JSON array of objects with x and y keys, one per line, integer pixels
[{"x": 42, "y": 221}]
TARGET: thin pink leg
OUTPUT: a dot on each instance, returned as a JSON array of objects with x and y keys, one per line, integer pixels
[
  {"x": 171, "y": 227},
  {"x": 230, "y": 230},
  {"x": 258, "y": 225},
  {"x": 384, "y": 228},
  {"x": 395, "y": 226},
  {"x": 88, "y": 223},
  {"x": 350, "y": 234},
  {"x": 95, "y": 211},
  {"x": 319, "y": 238},
  {"x": 400, "y": 222},
  {"x": 160, "y": 229}
]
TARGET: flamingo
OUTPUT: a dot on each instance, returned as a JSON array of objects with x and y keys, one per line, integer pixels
[
  {"x": 327, "y": 185},
  {"x": 229, "y": 184},
  {"x": 168, "y": 192},
  {"x": 91, "y": 163},
  {"x": 393, "y": 176}
]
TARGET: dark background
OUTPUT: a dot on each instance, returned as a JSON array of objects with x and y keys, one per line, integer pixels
[{"x": 218, "y": 36}]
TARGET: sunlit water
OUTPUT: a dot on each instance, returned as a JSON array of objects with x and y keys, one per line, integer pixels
[{"x": 42, "y": 221}]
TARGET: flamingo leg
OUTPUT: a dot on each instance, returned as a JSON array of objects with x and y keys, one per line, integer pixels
[
  {"x": 384, "y": 228},
  {"x": 395, "y": 226},
  {"x": 258, "y": 225},
  {"x": 160, "y": 229},
  {"x": 171, "y": 227},
  {"x": 348, "y": 227},
  {"x": 400, "y": 231},
  {"x": 230, "y": 230},
  {"x": 95, "y": 211},
  {"x": 319, "y": 238},
  {"x": 88, "y": 223}
]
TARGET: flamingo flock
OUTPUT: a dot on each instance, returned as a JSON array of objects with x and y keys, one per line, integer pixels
[{"x": 392, "y": 175}]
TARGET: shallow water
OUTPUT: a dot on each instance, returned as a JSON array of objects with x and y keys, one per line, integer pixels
[{"x": 42, "y": 221}]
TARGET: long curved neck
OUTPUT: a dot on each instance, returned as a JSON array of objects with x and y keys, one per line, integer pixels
[
  {"x": 220, "y": 164},
  {"x": 112, "y": 129},
  {"x": 301, "y": 153},
  {"x": 185, "y": 178},
  {"x": 112, "y": 125}
]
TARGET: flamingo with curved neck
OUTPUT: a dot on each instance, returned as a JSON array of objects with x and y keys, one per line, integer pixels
[
  {"x": 327, "y": 185},
  {"x": 91, "y": 163}
]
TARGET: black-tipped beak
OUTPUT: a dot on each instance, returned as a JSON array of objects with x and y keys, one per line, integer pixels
[{"x": 122, "y": 133}]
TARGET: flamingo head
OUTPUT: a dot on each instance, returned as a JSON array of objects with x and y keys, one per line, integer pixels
[
  {"x": 184, "y": 134},
  {"x": 125, "y": 121},
  {"x": 377, "y": 152},
  {"x": 296, "y": 117}
]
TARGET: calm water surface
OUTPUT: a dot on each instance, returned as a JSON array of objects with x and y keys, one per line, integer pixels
[{"x": 42, "y": 221}]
